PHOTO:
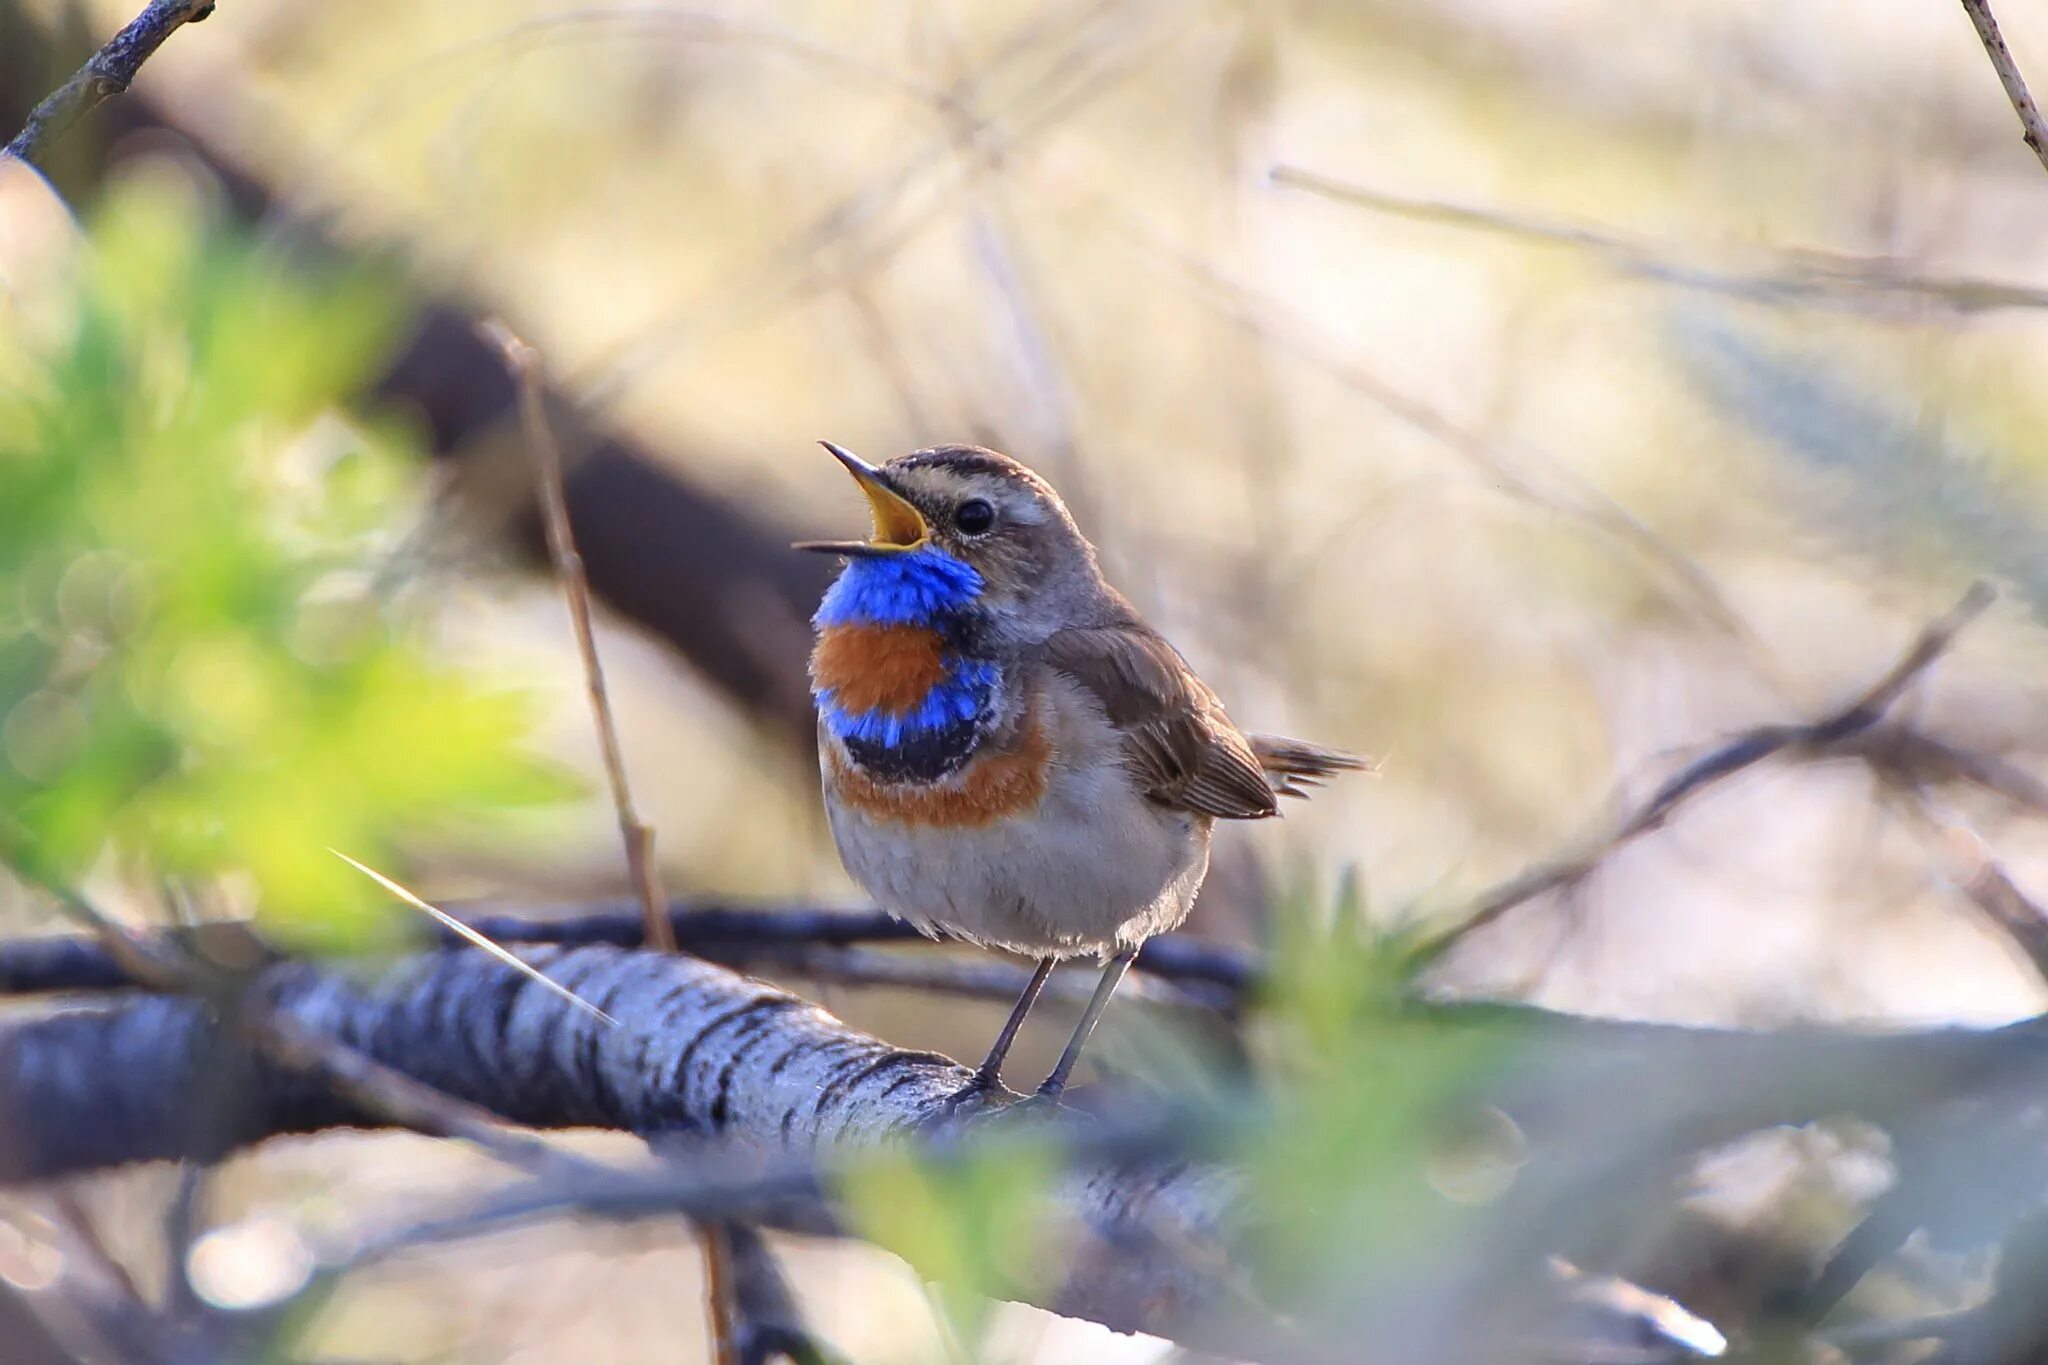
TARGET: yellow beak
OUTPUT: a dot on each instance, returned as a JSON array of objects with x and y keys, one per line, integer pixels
[{"x": 899, "y": 526}]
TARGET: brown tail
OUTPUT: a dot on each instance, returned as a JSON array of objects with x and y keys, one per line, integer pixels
[{"x": 1293, "y": 766}]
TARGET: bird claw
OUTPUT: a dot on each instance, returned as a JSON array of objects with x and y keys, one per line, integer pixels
[
  {"x": 1037, "y": 1107},
  {"x": 985, "y": 1095},
  {"x": 968, "y": 1099}
]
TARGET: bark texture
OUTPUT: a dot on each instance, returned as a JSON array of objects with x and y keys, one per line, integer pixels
[{"x": 694, "y": 1051}]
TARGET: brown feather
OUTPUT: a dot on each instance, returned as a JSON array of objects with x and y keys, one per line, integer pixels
[
  {"x": 1295, "y": 765},
  {"x": 1177, "y": 741}
]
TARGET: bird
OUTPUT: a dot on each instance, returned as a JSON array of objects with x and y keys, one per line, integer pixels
[{"x": 1009, "y": 754}]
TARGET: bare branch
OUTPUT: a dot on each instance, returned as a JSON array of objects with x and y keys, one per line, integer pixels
[
  {"x": 2034, "y": 129},
  {"x": 760, "y": 1319},
  {"x": 110, "y": 72},
  {"x": 1967, "y": 861},
  {"x": 819, "y": 943},
  {"x": 1834, "y": 735},
  {"x": 554, "y": 509},
  {"x": 1796, "y": 276}
]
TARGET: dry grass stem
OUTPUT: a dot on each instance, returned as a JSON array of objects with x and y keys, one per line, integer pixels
[{"x": 554, "y": 512}]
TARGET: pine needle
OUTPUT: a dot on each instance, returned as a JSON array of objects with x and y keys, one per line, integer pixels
[{"x": 456, "y": 926}]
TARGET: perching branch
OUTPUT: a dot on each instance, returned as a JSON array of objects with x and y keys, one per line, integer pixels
[
  {"x": 697, "y": 1053},
  {"x": 110, "y": 72},
  {"x": 2033, "y": 128},
  {"x": 703, "y": 1057}
]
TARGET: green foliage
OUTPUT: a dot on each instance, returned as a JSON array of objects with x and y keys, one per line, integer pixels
[
  {"x": 1366, "y": 1110},
  {"x": 975, "y": 1227},
  {"x": 1367, "y": 1162},
  {"x": 196, "y": 680}
]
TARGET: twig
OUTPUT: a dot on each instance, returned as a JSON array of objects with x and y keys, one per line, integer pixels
[
  {"x": 1830, "y": 736},
  {"x": 2033, "y": 128},
  {"x": 1214, "y": 973},
  {"x": 1967, "y": 861},
  {"x": 762, "y": 1319},
  {"x": 102, "y": 1310},
  {"x": 110, "y": 72},
  {"x": 1821, "y": 276},
  {"x": 714, "y": 1239},
  {"x": 1520, "y": 469},
  {"x": 554, "y": 511}
]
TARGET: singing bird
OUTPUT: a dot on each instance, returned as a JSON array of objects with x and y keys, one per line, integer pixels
[{"x": 1010, "y": 755}]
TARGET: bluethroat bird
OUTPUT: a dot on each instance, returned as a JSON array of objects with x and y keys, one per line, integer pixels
[{"x": 1010, "y": 755}]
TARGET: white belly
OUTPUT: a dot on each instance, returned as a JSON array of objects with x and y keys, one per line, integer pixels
[{"x": 1093, "y": 868}]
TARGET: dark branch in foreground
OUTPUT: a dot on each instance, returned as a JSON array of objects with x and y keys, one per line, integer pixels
[
  {"x": 110, "y": 72},
  {"x": 764, "y": 939}
]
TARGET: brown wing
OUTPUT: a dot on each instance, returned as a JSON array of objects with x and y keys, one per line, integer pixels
[
  {"x": 1177, "y": 742},
  {"x": 1295, "y": 765}
]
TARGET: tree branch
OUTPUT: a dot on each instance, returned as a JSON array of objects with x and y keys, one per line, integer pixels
[
  {"x": 697, "y": 1053},
  {"x": 1841, "y": 733},
  {"x": 702, "y": 1055},
  {"x": 1804, "y": 275},
  {"x": 763, "y": 937},
  {"x": 110, "y": 72},
  {"x": 2032, "y": 127}
]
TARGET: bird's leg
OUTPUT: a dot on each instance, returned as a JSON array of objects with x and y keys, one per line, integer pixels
[
  {"x": 1105, "y": 988},
  {"x": 989, "y": 1075}
]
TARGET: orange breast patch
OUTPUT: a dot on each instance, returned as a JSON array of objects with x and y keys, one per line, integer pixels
[
  {"x": 878, "y": 668},
  {"x": 991, "y": 787}
]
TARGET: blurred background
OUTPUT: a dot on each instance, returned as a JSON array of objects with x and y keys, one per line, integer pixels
[{"x": 1525, "y": 394}]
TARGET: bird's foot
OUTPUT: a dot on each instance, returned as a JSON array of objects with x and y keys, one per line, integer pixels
[
  {"x": 1037, "y": 1107},
  {"x": 985, "y": 1095},
  {"x": 981, "y": 1089}
]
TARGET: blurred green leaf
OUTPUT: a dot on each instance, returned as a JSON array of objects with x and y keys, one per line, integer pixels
[
  {"x": 194, "y": 677},
  {"x": 1366, "y": 1101},
  {"x": 974, "y": 1228}
]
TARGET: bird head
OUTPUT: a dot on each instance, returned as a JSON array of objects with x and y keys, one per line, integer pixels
[{"x": 962, "y": 505}]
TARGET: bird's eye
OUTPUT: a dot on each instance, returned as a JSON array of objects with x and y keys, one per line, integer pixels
[{"x": 974, "y": 516}]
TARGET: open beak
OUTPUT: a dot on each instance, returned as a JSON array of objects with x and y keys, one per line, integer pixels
[{"x": 898, "y": 525}]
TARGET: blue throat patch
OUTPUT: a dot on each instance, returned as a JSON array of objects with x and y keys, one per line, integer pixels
[
  {"x": 931, "y": 589},
  {"x": 917, "y": 588}
]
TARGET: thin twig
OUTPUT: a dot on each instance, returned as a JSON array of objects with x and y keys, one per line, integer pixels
[
  {"x": 554, "y": 512},
  {"x": 797, "y": 936},
  {"x": 2032, "y": 126},
  {"x": 1522, "y": 470},
  {"x": 1801, "y": 275},
  {"x": 110, "y": 72},
  {"x": 763, "y": 1321},
  {"x": 1966, "y": 860},
  {"x": 1831, "y": 736}
]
